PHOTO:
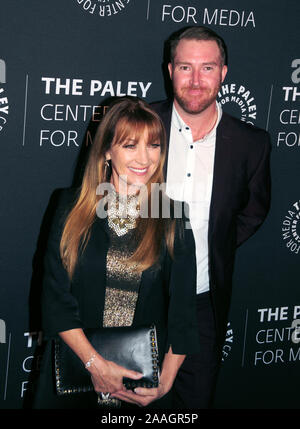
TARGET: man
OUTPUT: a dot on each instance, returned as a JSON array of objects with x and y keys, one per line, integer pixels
[{"x": 219, "y": 165}]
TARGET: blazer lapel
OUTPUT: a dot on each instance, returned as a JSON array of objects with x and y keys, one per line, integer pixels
[
  {"x": 165, "y": 113},
  {"x": 94, "y": 271},
  {"x": 219, "y": 173},
  {"x": 221, "y": 163}
]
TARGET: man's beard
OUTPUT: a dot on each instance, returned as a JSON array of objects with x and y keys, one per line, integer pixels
[{"x": 195, "y": 106}]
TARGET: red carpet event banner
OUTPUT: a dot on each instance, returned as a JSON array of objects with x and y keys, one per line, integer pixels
[{"x": 60, "y": 61}]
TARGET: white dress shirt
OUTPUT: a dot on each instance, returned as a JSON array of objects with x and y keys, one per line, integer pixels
[{"x": 189, "y": 179}]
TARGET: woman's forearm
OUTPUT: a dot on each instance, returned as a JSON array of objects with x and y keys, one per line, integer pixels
[
  {"x": 170, "y": 366},
  {"x": 106, "y": 376},
  {"x": 78, "y": 342}
]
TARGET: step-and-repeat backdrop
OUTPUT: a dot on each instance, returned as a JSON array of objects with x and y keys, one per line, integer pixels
[{"x": 59, "y": 62}]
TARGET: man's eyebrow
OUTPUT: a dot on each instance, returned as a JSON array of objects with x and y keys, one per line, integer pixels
[{"x": 205, "y": 63}]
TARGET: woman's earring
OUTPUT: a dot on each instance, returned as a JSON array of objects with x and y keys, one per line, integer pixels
[{"x": 106, "y": 166}]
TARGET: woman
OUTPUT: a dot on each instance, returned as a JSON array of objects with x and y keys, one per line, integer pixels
[{"x": 116, "y": 271}]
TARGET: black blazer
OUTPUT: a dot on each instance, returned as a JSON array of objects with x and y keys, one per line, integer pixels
[
  {"x": 240, "y": 199},
  {"x": 166, "y": 296}
]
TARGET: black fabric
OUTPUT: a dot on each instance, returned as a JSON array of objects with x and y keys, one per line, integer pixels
[
  {"x": 166, "y": 295},
  {"x": 239, "y": 203},
  {"x": 133, "y": 348},
  {"x": 195, "y": 383}
]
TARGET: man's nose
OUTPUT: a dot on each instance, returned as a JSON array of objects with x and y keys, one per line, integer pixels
[{"x": 196, "y": 77}]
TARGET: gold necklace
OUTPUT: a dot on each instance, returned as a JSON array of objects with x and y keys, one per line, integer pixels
[{"x": 123, "y": 211}]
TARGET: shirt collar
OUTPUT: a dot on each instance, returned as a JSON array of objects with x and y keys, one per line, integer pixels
[{"x": 178, "y": 122}]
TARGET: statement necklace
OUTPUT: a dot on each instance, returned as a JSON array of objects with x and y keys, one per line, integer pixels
[{"x": 122, "y": 212}]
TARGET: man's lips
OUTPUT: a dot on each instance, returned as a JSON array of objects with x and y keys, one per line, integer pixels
[{"x": 195, "y": 91}]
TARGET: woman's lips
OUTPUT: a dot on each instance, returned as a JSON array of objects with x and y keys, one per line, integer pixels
[{"x": 139, "y": 171}]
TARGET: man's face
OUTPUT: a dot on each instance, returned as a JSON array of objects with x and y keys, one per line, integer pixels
[{"x": 197, "y": 74}]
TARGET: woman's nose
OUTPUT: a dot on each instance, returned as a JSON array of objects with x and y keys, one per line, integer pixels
[{"x": 142, "y": 155}]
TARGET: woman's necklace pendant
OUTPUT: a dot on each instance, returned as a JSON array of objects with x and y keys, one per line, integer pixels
[{"x": 122, "y": 212}]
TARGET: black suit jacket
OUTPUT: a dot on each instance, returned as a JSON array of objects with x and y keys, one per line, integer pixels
[
  {"x": 166, "y": 295},
  {"x": 239, "y": 203}
]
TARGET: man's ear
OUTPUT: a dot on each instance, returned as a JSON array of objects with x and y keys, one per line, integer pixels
[
  {"x": 170, "y": 68},
  {"x": 224, "y": 72}
]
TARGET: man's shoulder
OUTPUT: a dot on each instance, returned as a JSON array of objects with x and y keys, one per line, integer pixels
[
  {"x": 233, "y": 125},
  {"x": 243, "y": 137},
  {"x": 162, "y": 106}
]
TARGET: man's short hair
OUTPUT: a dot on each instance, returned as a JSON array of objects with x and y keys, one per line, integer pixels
[{"x": 197, "y": 33}]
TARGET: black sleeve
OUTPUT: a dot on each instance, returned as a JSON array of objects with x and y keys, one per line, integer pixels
[
  {"x": 59, "y": 307},
  {"x": 182, "y": 321},
  {"x": 259, "y": 189}
]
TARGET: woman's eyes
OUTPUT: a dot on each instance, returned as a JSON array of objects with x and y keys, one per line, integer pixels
[{"x": 133, "y": 146}]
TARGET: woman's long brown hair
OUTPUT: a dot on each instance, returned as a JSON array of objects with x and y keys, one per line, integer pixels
[{"x": 126, "y": 118}]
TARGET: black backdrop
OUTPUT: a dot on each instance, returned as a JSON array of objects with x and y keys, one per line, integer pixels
[{"x": 59, "y": 61}]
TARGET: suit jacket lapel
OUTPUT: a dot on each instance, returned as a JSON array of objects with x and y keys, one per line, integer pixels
[
  {"x": 165, "y": 113},
  {"x": 220, "y": 172},
  {"x": 220, "y": 163}
]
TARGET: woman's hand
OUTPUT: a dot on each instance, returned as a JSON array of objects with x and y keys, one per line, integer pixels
[
  {"x": 141, "y": 396},
  {"x": 107, "y": 376},
  {"x": 144, "y": 396}
]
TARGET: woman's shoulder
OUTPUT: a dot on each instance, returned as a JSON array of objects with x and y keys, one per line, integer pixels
[
  {"x": 61, "y": 202},
  {"x": 66, "y": 198}
]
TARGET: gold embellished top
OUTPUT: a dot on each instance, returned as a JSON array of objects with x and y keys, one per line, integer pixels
[{"x": 122, "y": 280}]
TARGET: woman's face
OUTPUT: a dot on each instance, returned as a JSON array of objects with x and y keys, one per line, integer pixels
[{"x": 133, "y": 161}]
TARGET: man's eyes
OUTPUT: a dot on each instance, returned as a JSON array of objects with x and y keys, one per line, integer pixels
[
  {"x": 189, "y": 68},
  {"x": 185, "y": 68}
]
